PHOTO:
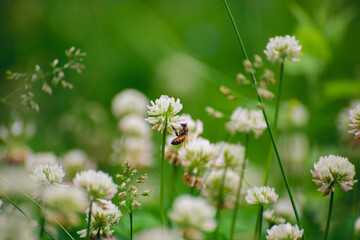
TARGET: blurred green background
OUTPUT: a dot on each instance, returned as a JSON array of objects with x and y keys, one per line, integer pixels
[{"x": 186, "y": 49}]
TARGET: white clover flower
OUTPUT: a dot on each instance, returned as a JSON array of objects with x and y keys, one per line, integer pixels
[
  {"x": 232, "y": 156},
  {"x": 64, "y": 204},
  {"x": 196, "y": 158},
  {"x": 294, "y": 114},
  {"x": 46, "y": 174},
  {"x": 194, "y": 215},
  {"x": 357, "y": 227},
  {"x": 355, "y": 119},
  {"x": 134, "y": 150},
  {"x": 97, "y": 184},
  {"x": 279, "y": 48},
  {"x": 134, "y": 125},
  {"x": 261, "y": 195},
  {"x": 129, "y": 101},
  {"x": 103, "y": 214},
  {"x": 284, "y": 232},
  {"x": 75, "y": 161},
  {"x": 164, "y": 110},
  {"x": 158, "y": 234},
  {"x": 272, "y": 217},
  {"x": 41, "y": 158},
  {"x": 230, "y": 187},
  {"x": 330, "y": 170},
  {"x": 343, "y": 120},
  {"x": 244, "y": 120}
]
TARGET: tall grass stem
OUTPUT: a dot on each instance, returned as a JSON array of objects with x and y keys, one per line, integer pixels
[
  {"x": 220, "y": 203},
  {"x": 238, "y": 192},
  {"x": 89, "y": 220}
]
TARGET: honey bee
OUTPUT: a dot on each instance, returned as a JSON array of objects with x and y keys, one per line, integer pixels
[{"x": 181, "y": 135}]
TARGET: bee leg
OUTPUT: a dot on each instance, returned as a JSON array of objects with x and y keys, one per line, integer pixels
[{"x": 176, "y": 132}]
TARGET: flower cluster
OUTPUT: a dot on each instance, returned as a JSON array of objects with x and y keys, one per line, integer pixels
[
  {"x": 129, "y": 101},
  {"x": 279, "y": 48},
  {"x": 46, "y": 174},
  {"x": 284, "y": 232},
  {"x": 213, "y": 185},
  {"x": 355, "y": 119},
  {"x": 76, "y": 161},
  {"x": 50, "y": 79},
  {"x": 196, "y": 159},
  {"x": 96, "y": 183},
  {"x": 163, "y": 113},
  {"x": 261, "y": 195},
  {"x": 128, "y": 191},
  {"x": 103, "y": 214},
  {"x": 332, "y": 169},
  {"x": 272, "y": 217},
  {"x": 245, "y": 121},
  {"x": 194, "y": 215},
  {"x": 134, "y": 145},
  {"x": 232, "y": 156}
]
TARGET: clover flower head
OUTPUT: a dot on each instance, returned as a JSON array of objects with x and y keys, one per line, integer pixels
[
  {"x": 129, "y": 101},
  {"x": 97, "y": 183},
  {"x": 230, "y": 187},
  {"x": 46, "y": 174},
  {"x": 261, "y": 195},
  {"x": 194, "y": 215},
  {"x": 279, "y": 48},
  {"x": 232, "y": 156},
  {"x": 158, "y": 234},
  {"x": 357, "y": 227},
  {"x": 75, "y": 161},
  {"x": 103, "y": 214},
  {"x": 355, "y": 119},
  {"x": 196, "y": 158},
  {"x": 163, "y": 111},
  {"x": 284, "y": 232},
  {"x": 332, "y": 169},
  {"x": 245, "y": 121},
  {"x": 134, "y": 150},
  {"x": 272, "y": 217},
  {"x": 134, "y": 125}
]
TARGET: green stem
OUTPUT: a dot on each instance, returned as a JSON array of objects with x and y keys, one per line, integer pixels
[
  {"x": 238, "y": 192},
  {"x": 267, "y": 123},
  {"x": 220, "y": 203},
  {"x": 131, "y": 223},
  {"x": 162, "y": 184},
  {"x": 329, "y": 215},
  {"x": 258, "y": 225},
  {"x": 275, "y": 123},
  {"x": 173, "y": 187},
  {"x": 89, "y": 221},
  {"x": 42, "y": 225}
]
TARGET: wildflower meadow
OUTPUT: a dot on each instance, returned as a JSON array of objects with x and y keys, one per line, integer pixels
[{"x": 179, "y": 120}]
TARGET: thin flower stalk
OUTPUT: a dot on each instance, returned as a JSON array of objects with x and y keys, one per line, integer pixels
[
  {"x": 89, "y": 220},
  {"x": 162, "y": 187},
  {"x": 238, "y": 192},
  {"x": 258, "y": 225},
  {"x": 329, "y": 215},
  {"x": 220, "y": 203},
  {"x": 266, "y": 119},
  {"x": 275, "y": 123}
]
